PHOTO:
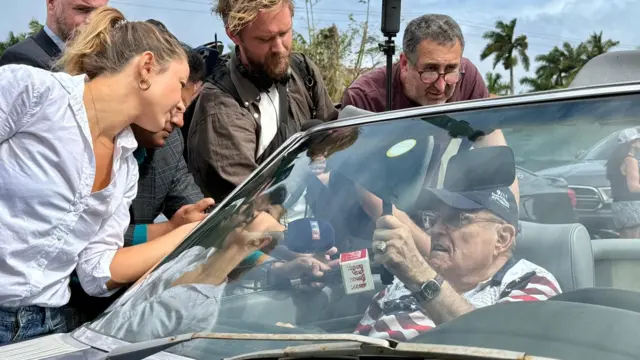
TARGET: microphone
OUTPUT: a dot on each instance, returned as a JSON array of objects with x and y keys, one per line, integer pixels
[
  {"x": 308, "y": 236},
  {"x": 310, "y": 123}
]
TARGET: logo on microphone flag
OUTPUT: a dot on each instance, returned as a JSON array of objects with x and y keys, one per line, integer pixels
[{"x": 315, "y": 230}]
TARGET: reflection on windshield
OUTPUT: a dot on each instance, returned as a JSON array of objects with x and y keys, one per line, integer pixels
[{"x": 422, "y": 198}]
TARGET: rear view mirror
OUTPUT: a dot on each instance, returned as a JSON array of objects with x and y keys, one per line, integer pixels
[{"x": 481, "y": 169}]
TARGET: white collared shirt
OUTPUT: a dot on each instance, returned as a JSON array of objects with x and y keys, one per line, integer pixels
[
  {"x": 55, "y": 38},
  {"x": 269, "y": 112},
  {"x": 154, "y": 308},
  {"x": 50, "y": 222}
]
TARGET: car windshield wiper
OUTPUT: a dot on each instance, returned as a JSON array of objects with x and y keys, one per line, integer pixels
[
  {"x": 340, "y": 345},
  {"x": 143, "y": 349}
]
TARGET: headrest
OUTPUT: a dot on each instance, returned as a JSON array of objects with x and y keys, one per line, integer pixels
[{"x": 562, "y": 249}]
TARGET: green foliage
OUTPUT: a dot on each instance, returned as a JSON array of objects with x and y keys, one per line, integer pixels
[
  {"x": 495, "y": 84},
  {"x": 559, "y": 66},
  {"x": 342, "y": 56},
  {"x": 12, "y": 38}
]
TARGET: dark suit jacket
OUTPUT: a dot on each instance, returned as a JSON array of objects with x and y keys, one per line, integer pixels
[
  {"x": 37, "y": 50},
  {"x": 164, "y": 186}
]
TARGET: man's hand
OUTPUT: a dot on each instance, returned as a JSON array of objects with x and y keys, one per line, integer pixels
[
  {"x": 401, "y": 255},
  {"x": 191, "y": 213}
]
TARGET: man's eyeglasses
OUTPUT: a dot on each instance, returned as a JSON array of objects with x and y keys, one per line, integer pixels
[
  {"x": 454, "y": 219},
  {"x": 429, "y": 77}
]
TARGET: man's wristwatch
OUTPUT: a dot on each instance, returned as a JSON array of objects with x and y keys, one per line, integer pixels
[{"x": 429, "y": 290}]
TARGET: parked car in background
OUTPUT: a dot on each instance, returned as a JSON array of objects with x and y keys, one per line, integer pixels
[
  {"x": 587, "y": 177},
  {"x": 545, "y": 199}
]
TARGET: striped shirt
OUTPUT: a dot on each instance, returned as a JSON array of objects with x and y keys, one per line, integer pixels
[{"x": 395, "y": 314}]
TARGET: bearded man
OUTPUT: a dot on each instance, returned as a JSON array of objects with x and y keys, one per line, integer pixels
[
  {"x": 43, "y": 48},
  {"x": 258, "y": 96}
]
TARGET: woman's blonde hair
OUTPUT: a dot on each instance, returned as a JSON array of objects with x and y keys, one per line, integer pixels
[
  {"x": 107, "y": 42},
  {"x": 238, "y": 14}
]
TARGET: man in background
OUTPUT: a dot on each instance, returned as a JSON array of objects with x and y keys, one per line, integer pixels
[
  {"x": 431, "y": 70},
  {"x": 165, "y": 186},
  {"x": 42, "y": 49},
  {"x": 257, "y": 98}
]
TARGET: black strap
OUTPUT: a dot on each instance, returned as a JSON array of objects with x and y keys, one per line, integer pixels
[
  {"x": 283, "y": 104},
  {"x": 301, "y": 66},
  {"x": 386, "y": 276}
]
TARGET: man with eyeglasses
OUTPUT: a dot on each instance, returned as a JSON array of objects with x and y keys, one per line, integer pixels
[
  {"x": 469, "y": 265},
  {"x": 431, "y": 70}
]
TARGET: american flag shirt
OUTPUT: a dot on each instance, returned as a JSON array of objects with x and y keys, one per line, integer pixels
[{"x": 394, "y": 313}]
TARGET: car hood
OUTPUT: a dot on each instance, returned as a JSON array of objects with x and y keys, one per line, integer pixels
[{"x": 587, "y": 173}]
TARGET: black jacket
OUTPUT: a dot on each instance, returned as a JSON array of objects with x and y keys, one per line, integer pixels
[{"x": 38, "y": 51}]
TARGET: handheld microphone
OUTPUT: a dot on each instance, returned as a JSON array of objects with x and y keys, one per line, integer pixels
[{"x": 308, "y": 236}]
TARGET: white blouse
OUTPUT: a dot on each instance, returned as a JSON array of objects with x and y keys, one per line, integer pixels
[{"x": 50, "y": 223}]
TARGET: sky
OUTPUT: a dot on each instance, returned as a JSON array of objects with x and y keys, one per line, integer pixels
[{"x": 546, "y": 23}]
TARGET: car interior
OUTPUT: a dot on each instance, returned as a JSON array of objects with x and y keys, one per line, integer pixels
[{"x": 590, "y": 272}]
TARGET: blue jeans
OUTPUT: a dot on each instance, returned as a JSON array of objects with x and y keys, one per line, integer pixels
[{"x": 17, "y": 324}]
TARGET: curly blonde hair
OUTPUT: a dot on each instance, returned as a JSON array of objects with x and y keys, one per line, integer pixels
[{"x": 238, "y": 14}]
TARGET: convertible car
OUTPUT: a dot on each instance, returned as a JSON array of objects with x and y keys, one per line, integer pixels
[{"x": 396, "y": 156}]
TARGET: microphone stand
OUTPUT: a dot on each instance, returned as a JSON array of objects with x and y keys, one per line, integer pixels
[{"x": 388, "y": 48}]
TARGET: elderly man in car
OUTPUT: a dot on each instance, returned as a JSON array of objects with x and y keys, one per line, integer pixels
[{"x": 470, "y": 265}]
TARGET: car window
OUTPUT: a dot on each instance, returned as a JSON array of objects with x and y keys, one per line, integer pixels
[
  {"x": 603, "y": 149},
  {"x": 335, "y": 181}
]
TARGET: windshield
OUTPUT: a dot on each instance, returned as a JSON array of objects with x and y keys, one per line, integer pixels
[
  {"x": 603, "y": 149},
  {"x": 313, "y": 210}
]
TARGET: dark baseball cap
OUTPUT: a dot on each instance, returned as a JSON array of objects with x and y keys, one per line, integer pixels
[{"x": 499, "y": 201}]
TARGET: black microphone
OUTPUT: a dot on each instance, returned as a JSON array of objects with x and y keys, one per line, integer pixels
[
  {"x": 310, "y": 123},
  {"x": 308, "y": 236}
]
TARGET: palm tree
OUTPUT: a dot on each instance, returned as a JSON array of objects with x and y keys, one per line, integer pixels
[
  {"x": 560, "y": 65},
  {"x": 595, "y": 46},
  {"x": 495, "y": 84},
  {"x": 12, "y": 38},
  {"x": 503, "y": 46},
  {"x": 34, "y": 27},
  {"x": 538, "y": 84}
]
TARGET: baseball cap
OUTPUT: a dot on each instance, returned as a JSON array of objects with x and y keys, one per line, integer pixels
[
  {"x": 627, "y": 135},
  {"x": 499, "y": 201}
]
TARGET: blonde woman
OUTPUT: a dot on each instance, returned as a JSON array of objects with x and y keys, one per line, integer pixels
[{"x": 67, "y": 173}]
